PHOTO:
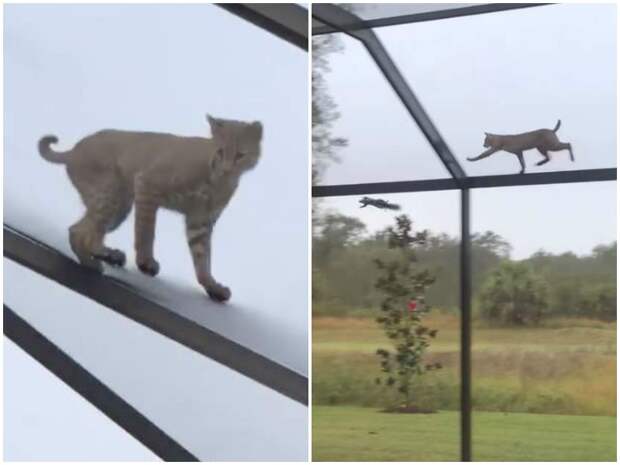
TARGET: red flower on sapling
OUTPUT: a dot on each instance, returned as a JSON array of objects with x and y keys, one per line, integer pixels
[{"x": 412, "y": 305}]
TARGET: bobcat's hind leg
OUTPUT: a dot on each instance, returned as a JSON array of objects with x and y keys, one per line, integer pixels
[
  {"x": 521, "y": 161},
  {"x": 544, "y": 160},
  {"x": 86, "y": 240},
  {"x": 565, "y": 146},
  {"x": 118, "y": 211},
  {"x": 107, "y": 207}
]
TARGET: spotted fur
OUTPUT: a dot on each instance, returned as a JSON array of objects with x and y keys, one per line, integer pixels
[
  {"x": 113, "y": 170},
  {"x": 543, "y": 140}
]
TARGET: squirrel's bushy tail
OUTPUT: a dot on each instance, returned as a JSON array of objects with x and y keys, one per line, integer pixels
[{"x": 557, "y": 125}]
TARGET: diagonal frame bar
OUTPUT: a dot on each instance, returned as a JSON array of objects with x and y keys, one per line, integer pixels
[
  {"x": 340, "y": 19},
  {"x": 90, "y": 388},
  {"x": 287, "y": 21},
  {"x": 119, "y": 297}
]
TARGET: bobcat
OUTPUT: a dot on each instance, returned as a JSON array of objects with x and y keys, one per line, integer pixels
[
  {"x": 195, "y": 176},
  {"x": 544, "y": 140}
]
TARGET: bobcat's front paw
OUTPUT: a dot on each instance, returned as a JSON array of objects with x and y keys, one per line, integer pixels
[
  {"x": 148, "y": 266},
  {"x": 218, "y": 292}
]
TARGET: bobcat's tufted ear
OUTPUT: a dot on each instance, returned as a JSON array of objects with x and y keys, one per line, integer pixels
[
  {"x": 257, "y": 129},
  {"x": 217, "y": 126},
  {"x": 214, "y": 122},
  {"x": 486, "y": 133}
]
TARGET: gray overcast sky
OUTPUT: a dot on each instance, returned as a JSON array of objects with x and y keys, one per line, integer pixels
[{"x": 503, "y": 72}]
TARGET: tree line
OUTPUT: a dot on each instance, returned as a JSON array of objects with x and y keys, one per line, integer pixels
[{"x": 504, "y": 290}]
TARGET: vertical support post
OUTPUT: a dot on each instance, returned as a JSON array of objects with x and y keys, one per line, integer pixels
[{"x": 465, "y": 327}]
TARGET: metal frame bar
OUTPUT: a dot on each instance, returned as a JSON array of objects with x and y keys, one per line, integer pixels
[
  {"x": 118, "y": 296},
  {"x": 288, "y": 21},
  {"x": 428, "y": 16},
  {"x": 94, "y": 391},
  {"x": 474, "y": 182},
  {"x": 465, "y": 301},
  {"x": 338, "y": 20}
]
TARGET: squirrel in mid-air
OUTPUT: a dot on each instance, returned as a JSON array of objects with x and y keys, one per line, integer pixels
[{"x": 379, "y": 203}]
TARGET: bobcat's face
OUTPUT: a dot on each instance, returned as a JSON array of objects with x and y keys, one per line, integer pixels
[
  {"x": 490, "y": 140},
  {"x": 487, "y": 143},
  {"x": 240, "y": 142}
]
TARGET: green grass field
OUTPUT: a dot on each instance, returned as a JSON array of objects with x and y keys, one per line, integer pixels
[
  {"x": 365, "y": 434},
  {"x": 564, "y": 367},
  {"x": 546, "y": 393}
]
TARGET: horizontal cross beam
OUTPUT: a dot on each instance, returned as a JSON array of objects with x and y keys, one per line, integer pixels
[
  {"x": 474, "y": 182},
  {"x": 427, "y": 16}
]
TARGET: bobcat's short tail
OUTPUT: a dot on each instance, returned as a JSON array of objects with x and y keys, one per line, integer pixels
[
  {"x": 557, "y": 126},
  {"x": 48, "y": 154}
]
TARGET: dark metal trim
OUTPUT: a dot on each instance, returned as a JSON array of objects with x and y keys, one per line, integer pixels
[
  {"x": 285, "y": 20},
  {"x": 465, "y": 273},
  {"x": 428, "y": 16},
  {"x": 414, "y": 107},
  {"x": 118, "y": 296},
  {"x": 384, "y": 187},
  {"x": 339, "y": 18},
  {"x": 94, "y": 391},
  {"x": 476, "y": 182},
  {"x": 550, "y": 177}
]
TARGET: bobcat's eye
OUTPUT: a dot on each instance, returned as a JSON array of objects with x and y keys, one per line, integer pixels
[{"x": 239, "y": 156}]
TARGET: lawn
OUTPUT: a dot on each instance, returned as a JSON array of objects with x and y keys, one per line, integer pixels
[
  {"x": 539, "y": 394},
  {"x": 365, "y": 434},
  {"x": 564, "y": 367}
]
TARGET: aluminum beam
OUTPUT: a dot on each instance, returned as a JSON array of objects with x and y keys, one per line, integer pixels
[
  {"x": 341, "y": 19},
  {"x": 288, "y": 21},
  {"x": 90, "y": 388},
  {"x": 428, "y": 16},
  {"x": 118, "y": 296},
  {"x": 475, "y": 182}
]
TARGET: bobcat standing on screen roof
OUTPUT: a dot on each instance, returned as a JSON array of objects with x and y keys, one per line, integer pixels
[
  {"x": 544, "y": 140},
  {"x": 195, "y": 176}
]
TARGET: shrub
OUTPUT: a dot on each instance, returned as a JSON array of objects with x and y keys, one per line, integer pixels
[
  {"x": 402, "y": 311},
  {"x": 600, "y": 302},
  {"x": 513, "y": 295}
]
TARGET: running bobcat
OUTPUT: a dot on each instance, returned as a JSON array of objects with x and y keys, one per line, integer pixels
[
  {"x": 544, "y": 140},
  {"x": 192, "y": 175}
]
